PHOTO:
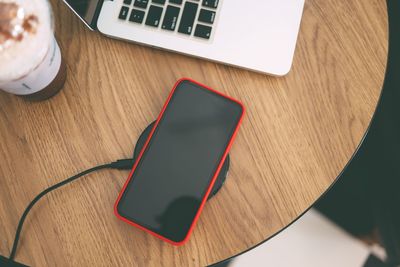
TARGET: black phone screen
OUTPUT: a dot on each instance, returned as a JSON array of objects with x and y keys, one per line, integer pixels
[{"x": 179, "y": 162}]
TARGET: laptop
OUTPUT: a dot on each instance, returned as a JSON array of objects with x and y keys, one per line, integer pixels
[{"x": 258, "y": 35}]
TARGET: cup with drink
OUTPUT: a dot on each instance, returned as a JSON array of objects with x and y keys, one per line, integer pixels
[{"x": 31, "y": 64}]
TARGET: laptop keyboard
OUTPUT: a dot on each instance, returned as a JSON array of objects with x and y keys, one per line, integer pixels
[{"x": 191, "y": 18}]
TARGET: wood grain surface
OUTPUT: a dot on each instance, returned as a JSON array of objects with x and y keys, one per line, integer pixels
[{"x": 299, "y": 132}]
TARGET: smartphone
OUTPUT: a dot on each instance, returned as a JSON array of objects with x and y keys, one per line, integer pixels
[{"x": 180, "y": 161}]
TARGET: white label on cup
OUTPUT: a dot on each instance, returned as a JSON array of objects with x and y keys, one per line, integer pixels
[{"x": 38, "y": 78}]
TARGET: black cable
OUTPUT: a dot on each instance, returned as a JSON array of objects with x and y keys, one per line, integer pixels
[{"x": 124, "y": 164}]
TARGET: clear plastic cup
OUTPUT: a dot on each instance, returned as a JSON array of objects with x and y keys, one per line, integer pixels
[{"x": 31, "y": 64}]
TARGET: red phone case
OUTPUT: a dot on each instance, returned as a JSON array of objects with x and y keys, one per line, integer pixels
[{"x": 212, "y": 180}]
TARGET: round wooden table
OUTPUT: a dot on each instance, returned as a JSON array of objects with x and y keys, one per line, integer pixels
[{"x": 299, "y": 132}]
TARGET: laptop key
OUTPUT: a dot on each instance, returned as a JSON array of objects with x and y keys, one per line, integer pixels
[
  {"x": 187, "y": 19},
  {"x": 178, "y": 2},
  {"x": 127, "y": 2},
  {"x": 170, "y": 18},
  {"x": 210, "y": 3},
  {"x": 206, "y": 16},
  {"x": 154, "y": 16},
  {"x": 203, "y": 31},
  {"x": 136, "y": 16},
  {"x": 141, "y": 3},
  {"x": 123, "y": 13},
  {"x": 161, "y": 2}
]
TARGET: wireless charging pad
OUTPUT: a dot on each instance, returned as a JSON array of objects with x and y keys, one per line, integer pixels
[{"x": 222, "y": 174}]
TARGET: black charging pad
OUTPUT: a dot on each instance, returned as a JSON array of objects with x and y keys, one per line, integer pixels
[{"x": 222, "y": 174}]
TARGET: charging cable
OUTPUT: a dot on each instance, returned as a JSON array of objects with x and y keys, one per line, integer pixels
[{"x": 123, "y": 164}]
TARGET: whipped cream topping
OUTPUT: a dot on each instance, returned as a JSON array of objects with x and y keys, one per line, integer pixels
[{"x": 25, "y": 35}]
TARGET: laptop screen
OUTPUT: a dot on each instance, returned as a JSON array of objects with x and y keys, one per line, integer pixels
[{"x": 87, "y": 10}]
